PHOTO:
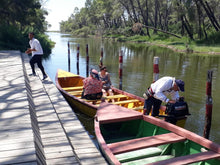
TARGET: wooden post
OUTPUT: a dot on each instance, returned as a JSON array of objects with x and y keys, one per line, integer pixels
[
  {"x": 156, "y": 69},
  {"x": 120, "y": 69},
  {"x": 77, "y": 60},
  {"x": 87, "y": 61},
  {"x": 68, "y": 56},
  {"x": 208, "y": 117},
  {"x": 101, "y": 58}
]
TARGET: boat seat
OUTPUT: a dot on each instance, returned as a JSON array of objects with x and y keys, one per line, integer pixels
[
  {"x": 138, "y": 108},
  {"x": 189, "y": 159},
  {"x": 138, "y": 154},
  {"x": 75, "y": 93},
  {"x": 152, "y": 160},
  {"x": 126, "y": 101},
  {"x": 140, "y": 143},
  {"x": 73, "y": 88},
  {"x": 116, "y": 96}
]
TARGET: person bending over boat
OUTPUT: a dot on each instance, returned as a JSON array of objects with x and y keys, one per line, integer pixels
[
  {"x": 106, "y": 82},
  {"x": 92, "y": 86},
  {"x": 158, "y": 92}
]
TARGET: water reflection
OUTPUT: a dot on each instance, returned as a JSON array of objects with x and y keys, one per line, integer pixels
[{"x": 138, "y": 72}]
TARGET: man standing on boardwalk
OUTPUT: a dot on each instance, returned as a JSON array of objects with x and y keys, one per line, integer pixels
[{"x": 37, "y": 53}]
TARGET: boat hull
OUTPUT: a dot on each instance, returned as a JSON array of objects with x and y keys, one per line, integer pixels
[{"x": 129, "y": 138}]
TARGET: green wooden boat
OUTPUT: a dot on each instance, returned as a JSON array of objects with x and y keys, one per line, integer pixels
[{"x": 130, "y": 138}]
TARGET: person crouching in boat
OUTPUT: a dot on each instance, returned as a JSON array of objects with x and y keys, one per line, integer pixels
[
  {"x": 92, "y": 86},
  {"x": 158, "y": 92},
  {"x": 106, "y": 82}
]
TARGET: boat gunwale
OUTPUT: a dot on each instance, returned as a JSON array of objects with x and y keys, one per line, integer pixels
[{"x": 183, "y": 132}]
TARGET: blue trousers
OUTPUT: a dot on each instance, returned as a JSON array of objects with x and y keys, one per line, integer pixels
[{"x": 154, "y": 103}]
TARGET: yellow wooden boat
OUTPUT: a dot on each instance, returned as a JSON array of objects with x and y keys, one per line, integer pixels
[{"x": 71, "y": 86}]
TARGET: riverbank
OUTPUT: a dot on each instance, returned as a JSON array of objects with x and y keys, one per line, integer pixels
[{"x": 181, "y": 45}]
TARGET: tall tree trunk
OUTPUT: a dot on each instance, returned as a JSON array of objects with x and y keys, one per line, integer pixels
[
  {"x": 166, "y": 18},
  {"x": 134, "y": 12},
  {"x": 156, "y": 16},
  {"x": 147, "y": 16},
  {"x": 128, "y": 10},
  {"x": 124, "y": 19},
  {"x": 199, "y": 13},
  {"x": 210, "y": 15},
  {"x": 185, "y": 23},
  {"x": 143, "y": 15},
  {"x": 186, "y": 26},
  {"x": 206, "y": 36}
]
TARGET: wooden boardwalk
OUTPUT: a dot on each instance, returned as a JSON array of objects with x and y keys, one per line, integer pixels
[{"x": 37, "y": 126}]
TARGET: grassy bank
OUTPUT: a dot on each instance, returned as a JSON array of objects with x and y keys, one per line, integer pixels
[{"x": 210, "y": 46}]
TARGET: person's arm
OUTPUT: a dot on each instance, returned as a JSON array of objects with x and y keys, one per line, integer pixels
[
  {"x": 32, "y": 48},
  {"x": 175, "y": 95},
  {"x": 160, "y": 95}
]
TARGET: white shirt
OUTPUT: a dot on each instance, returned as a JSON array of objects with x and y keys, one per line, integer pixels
[
  {"x": 35, "y": 44},
  {"x": 162, "y": 88}
]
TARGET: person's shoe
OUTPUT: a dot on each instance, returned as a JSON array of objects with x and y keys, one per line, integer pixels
[
  {"x": 44, "y": 77},
  {"x": 32, "y": 74}
]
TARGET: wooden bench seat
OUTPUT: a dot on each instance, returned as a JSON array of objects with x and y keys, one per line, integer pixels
[
  {"x": 75, "y": 93},
  {"x": 138, "y": 154},
  {"x": 189, "y": 159},
  {"x": 73, "y": 88},
  {"x": 138, "y": 108},
  {"x": 116, "y": 96},
  {"x": 125, "y": 101},
  {"x": 151, "y": 141},
  {"x": 152, "y": 160}
]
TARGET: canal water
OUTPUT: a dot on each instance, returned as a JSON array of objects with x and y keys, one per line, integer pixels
[{"x": 138, "y": 73}]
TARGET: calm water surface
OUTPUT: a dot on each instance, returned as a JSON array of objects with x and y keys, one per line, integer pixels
[{"x": 138, "y": 73}]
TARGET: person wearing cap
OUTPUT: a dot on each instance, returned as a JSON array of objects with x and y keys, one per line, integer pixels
[
  {"x": 92, "y": 86},
  {"x": 106, "y": 81},
  {"x": 159, "y": 91}
]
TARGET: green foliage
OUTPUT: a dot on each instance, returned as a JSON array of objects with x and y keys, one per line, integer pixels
[
  {"x": 183, "y": 18},
  {"x": 213, "y": 39},
  {"x": 12, "y": 39},
  {"x": 17, "y": 19},
  {"x": 83, "y": 32}
]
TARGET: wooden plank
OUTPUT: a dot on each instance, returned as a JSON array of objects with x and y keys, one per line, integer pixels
[
  {"x": 138, "y": 108},
  {"x": 188, "y": 159},
  {"x": 73, "y": 88},
  {"x": 151, "y": 141},
  {"x": 75, "y": 93},
  {"x": 116, "y": 96},
  {"x": 125, "y": 102}
]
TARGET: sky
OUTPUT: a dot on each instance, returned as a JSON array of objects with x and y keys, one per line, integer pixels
[{"x": 60, "y": 10}]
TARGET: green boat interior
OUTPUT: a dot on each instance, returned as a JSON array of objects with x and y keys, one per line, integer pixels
[{"x": 156, "y": 143}]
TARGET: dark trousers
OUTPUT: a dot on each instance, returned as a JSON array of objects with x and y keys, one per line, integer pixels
[
  {"x": 154, "y": 103},
  {"x": 95, "y": 96},
  {"x": 37, "y": 59}
]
